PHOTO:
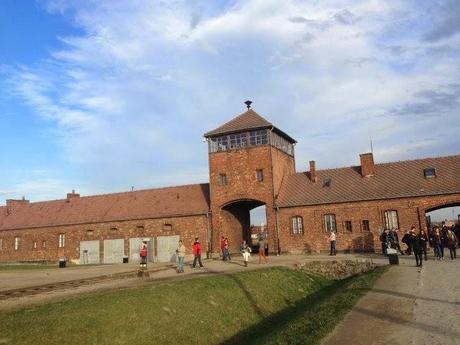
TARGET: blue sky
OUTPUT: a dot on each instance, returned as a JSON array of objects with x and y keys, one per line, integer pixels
[{"x": 99, "y": 96}]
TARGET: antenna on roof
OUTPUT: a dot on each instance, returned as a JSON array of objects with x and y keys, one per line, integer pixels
[
  {"x": 372, "y": 149},
  {"x": 248, "y": 104}
]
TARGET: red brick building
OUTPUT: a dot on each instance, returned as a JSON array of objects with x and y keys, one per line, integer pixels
[{"x": 251, "y": 163}]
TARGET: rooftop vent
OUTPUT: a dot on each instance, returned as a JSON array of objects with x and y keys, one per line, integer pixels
[
  {"x": 327, "y": 182},
  {"x": 429, "y": 172}
]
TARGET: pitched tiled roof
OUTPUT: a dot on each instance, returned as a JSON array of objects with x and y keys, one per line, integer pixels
[
  {"x": 247, "y": 120},
  {"x": 391, "y": 180},
  {"x": 148, "y": 203}
]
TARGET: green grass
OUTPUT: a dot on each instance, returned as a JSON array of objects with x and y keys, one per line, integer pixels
[
  {"x": 266, "y": 306},
  {"x": 16, "y": 266}
]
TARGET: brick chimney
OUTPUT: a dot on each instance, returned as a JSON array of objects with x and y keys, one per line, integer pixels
[
  {"x": 312, "y": 171},
  {"x": 367, "y": 164},
  {"x": 14, "y": 204},
  {"x": 72, "y": 195}
]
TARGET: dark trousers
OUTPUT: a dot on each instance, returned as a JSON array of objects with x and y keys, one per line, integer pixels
[
  {"x": 453, "y": 252},
  {"x": 418, "y": 258},
  {"x": 384, "y": 248},
  {"x": 441, "y": 248},
  {"x": 409, "y": 249},
  {"x": 197, "y": 257},
  {"x": 332, "y": 251},
  {"x": 424, "y": 252}
]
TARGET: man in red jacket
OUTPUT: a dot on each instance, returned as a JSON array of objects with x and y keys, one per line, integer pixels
[{"x": 196, "y": 250}]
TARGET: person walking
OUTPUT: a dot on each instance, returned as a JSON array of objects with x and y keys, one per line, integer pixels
[
  {"x": 332, "y": 243},
  {"x": 262, "y": 249},
  {"x": 245, "y": 250},
  {"x": 417, "y": 249},
  {"x": 143, "y": 254},
  {"x": 222, "y": 246},
  {"x": 443, "y": 233},
  {"x": 180, "y": 252},
  {"x": 424, "y": 242},
  {"x": 437, "y": 243},
  {"x": 384, "y": 241},
  {"x": 226, "y": 250},
  {"x": 196, "y": 251},
  {"x": 452, "y": 242}
]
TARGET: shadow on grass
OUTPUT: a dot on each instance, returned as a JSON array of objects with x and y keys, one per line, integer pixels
[{"x": 264, "y": 331}]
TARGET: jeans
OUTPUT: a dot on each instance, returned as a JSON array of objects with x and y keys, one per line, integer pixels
[
  {"x": 418, "y": 258},
  {"x": 441, "y": 249},
  {"x": 197, "y": 257},
  {"x": 437, "y": 250},
  {"x": 180, "y": 268},
  {"x": 332, "y": 252}
]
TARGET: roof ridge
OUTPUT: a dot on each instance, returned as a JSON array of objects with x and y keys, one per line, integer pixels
[
  {"x": 117, "y": 193},
  {"x": 383, "y": 163}
]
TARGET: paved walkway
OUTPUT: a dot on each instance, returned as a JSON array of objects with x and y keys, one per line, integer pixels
[{"x": 407, "y": 305}]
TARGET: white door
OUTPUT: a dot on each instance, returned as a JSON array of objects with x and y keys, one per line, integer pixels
[
  {"x": 135, "y": 247},
  {"x": 89, "y": 252},
  {"x": 114, "y": 250},
  {"x": 166, "y": 248}
]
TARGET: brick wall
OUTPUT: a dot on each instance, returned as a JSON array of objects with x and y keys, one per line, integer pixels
[
  {"x": 186, "y": 227},
  {"x": 411, "y": 212}
]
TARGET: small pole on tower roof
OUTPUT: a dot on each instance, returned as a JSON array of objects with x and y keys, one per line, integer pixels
[{"x": 248, "y": 104}]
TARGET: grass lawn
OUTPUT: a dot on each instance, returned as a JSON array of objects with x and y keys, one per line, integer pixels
[
  {"x": 265, "y": 306},
  {"x": 16, "y": 266}
]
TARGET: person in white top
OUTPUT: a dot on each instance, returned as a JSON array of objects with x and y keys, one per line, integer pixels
[{"x": 332, "y": 240}]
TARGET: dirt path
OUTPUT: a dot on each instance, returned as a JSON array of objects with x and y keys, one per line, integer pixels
[{"x": 407, "y": 305}]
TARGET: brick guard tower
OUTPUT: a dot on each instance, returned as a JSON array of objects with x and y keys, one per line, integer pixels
[{"x": 248, "y": 159}]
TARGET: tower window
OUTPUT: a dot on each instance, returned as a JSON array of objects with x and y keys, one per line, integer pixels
[
  {"x": 223, "y": 179},
  {"x": 429, "y": 172},
  {"x": 260, "y": 175}
]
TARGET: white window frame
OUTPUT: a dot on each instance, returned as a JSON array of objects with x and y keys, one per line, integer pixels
[
  {"x": 61, "y": 242},
  {"x": 330, "y": 223},
  {"x": 17, "y": 243},
  {"x": 391, "y": 219},
  {"x": 297, "y": 225}
]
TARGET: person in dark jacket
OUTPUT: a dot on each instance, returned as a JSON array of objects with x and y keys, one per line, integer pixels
[
  {"x": 452, "y": 242},
  {"x": 384, "y": 241},
  {"x": 407, "y": 240},
  {"x": 196, "y": 251},
  {"x": 393, "y": 240},
  {"x": 417, "y": 248},
  {"x": 424, "y": 242},
  {"x": 443, "y": 238}
]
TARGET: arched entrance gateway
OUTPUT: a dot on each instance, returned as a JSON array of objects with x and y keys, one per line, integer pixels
[
  {"x": 238, "y": 225},
  {"x": 447, "y": 212}
]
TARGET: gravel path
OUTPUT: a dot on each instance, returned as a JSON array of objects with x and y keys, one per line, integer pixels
[{"x": 407, "y": 305}]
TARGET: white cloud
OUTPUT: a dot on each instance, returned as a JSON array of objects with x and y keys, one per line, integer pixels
[{"x": 131, "y": 97}]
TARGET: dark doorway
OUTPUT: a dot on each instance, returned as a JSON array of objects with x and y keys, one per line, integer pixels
[{"x": 236, "y": 221}]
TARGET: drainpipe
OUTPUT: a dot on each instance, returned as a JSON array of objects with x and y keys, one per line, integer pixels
[
  {"x": 277, "y": 209},
  {"x": 208, "y": 236}
]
